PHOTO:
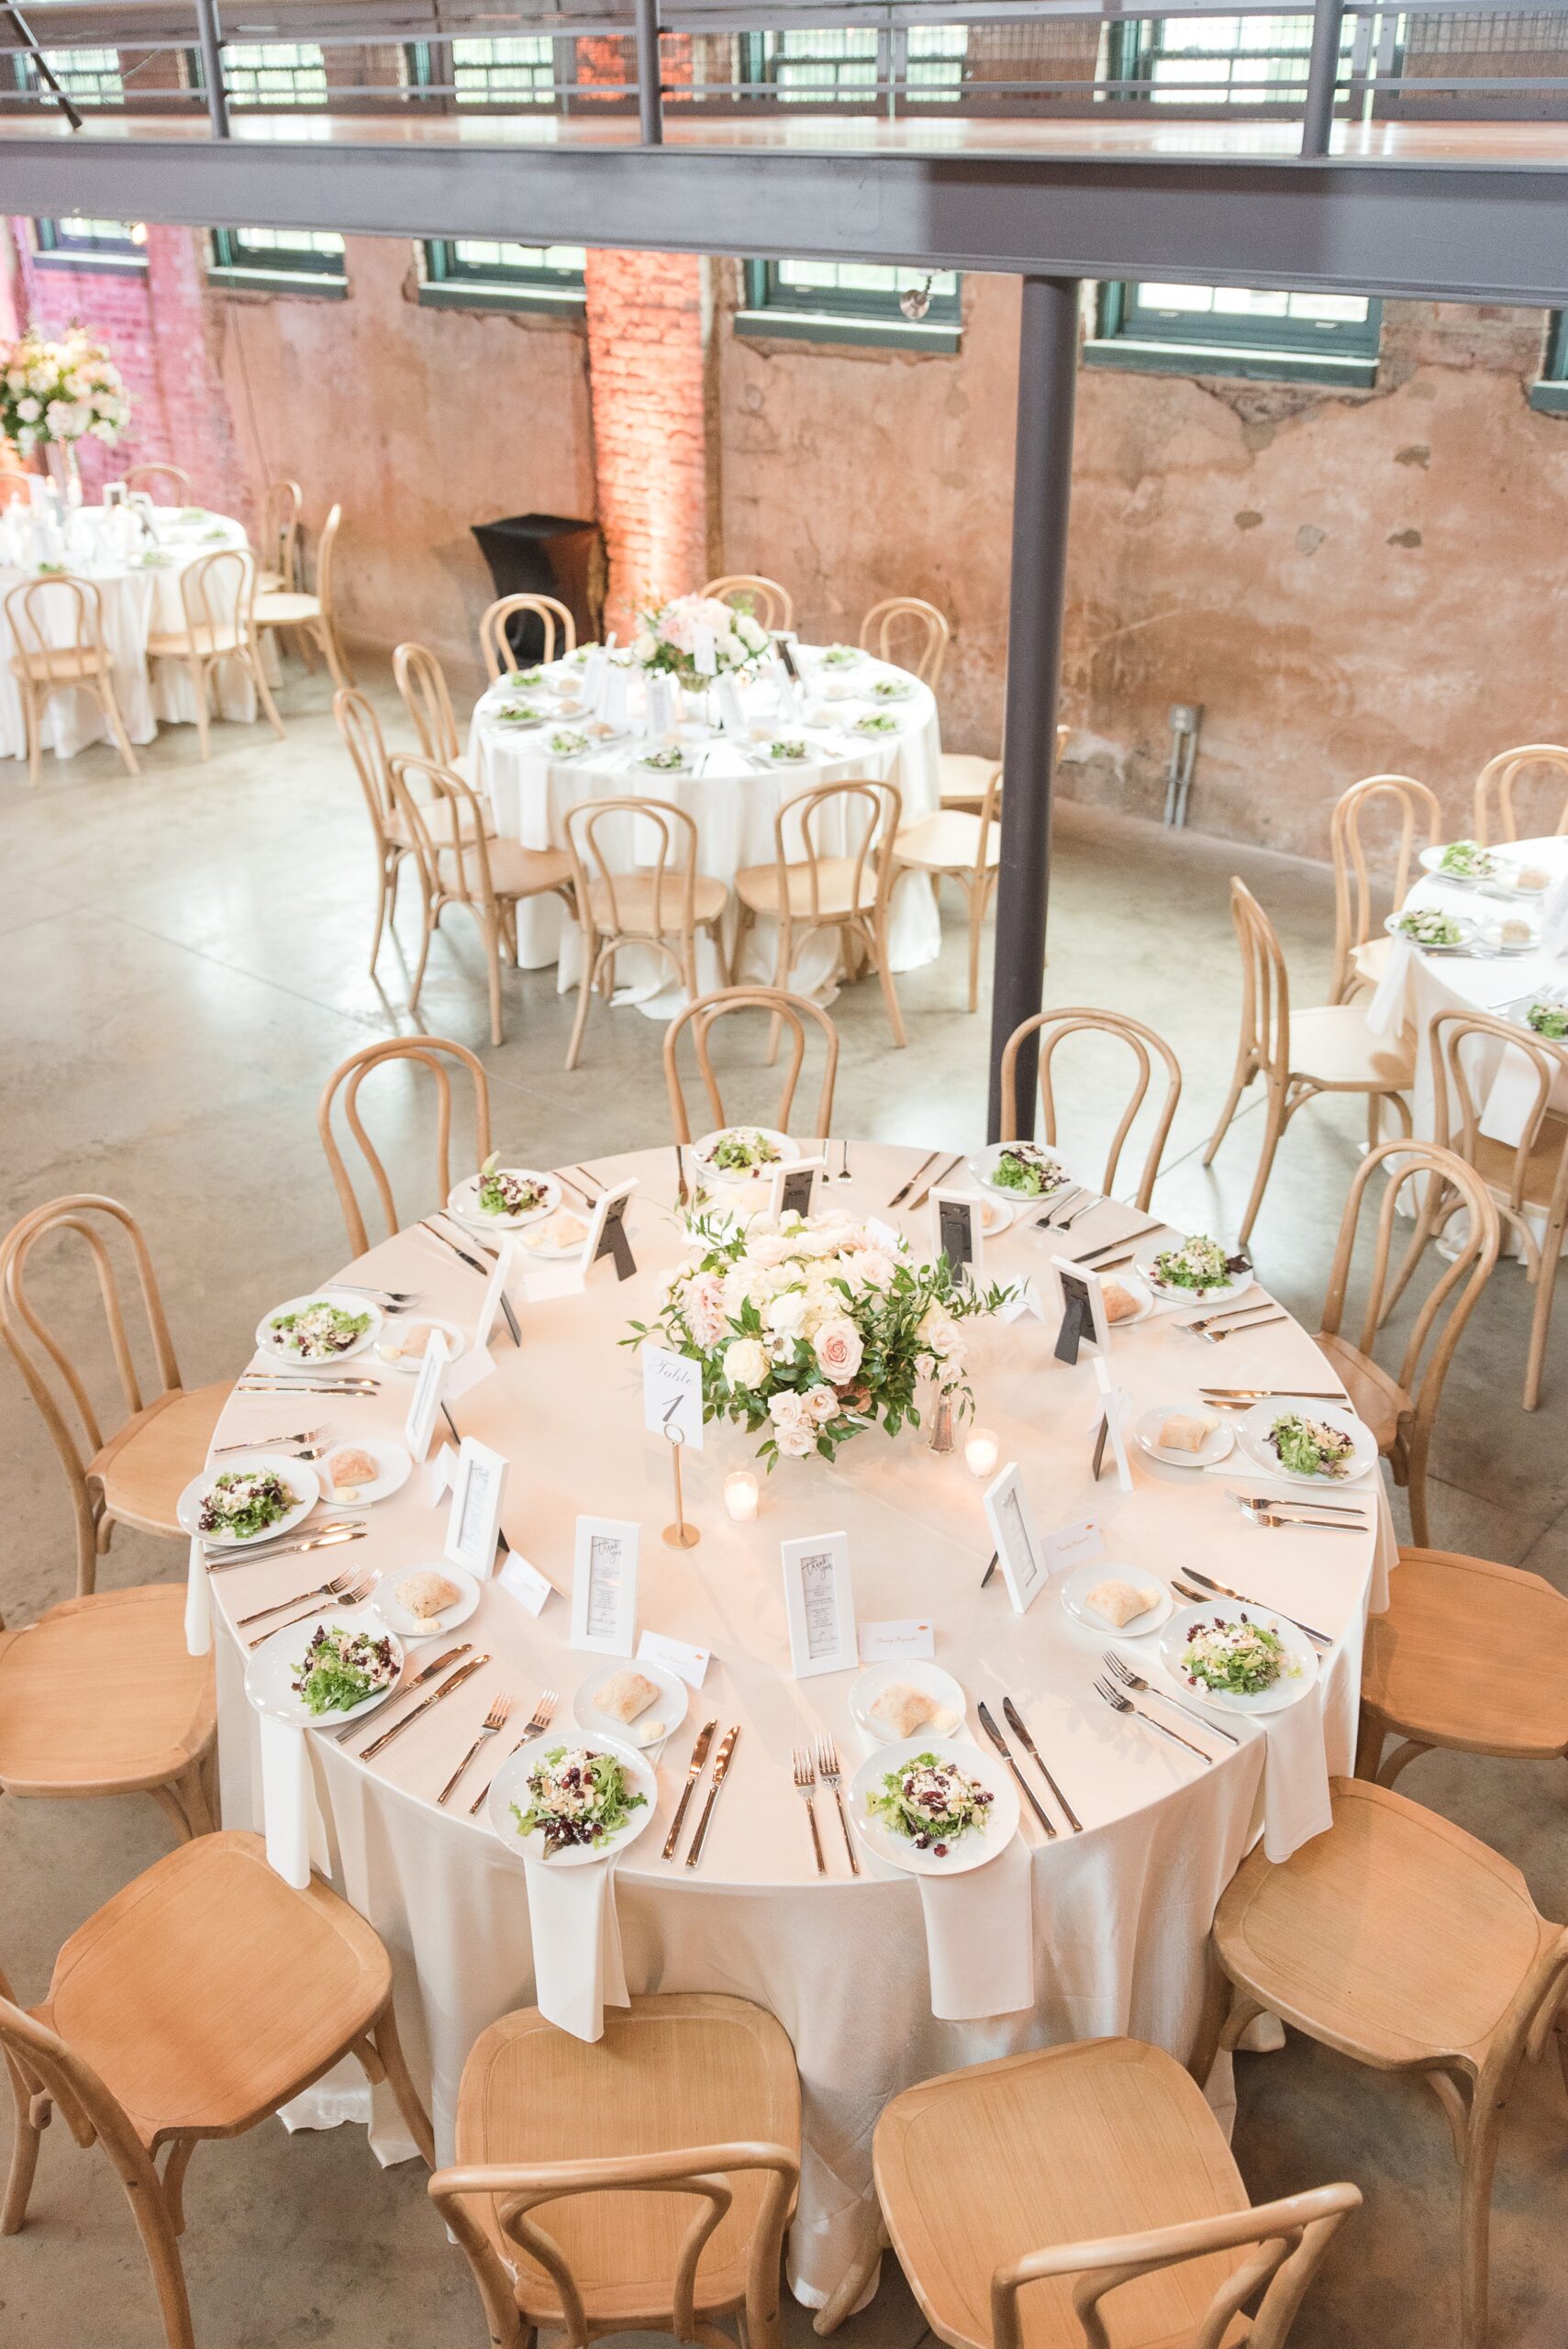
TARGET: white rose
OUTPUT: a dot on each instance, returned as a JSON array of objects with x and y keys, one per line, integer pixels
[
  {"x": 939, "y": 1332},
  {"x": 746, "y": 1364},
  {"x": 782, "y": 1316},
  {"x": 838, "y": 1349},
  {"x": 28, "y": 409},
  {"x": 795, "y": 1430},
  {"x": 821, "y": 1404},
  {"x": 644, "y": 646}
]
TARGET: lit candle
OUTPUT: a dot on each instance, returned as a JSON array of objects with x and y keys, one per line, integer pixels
[
  {"x": 980, "y": 1450},
  {"x": 740, "y": 1495}
]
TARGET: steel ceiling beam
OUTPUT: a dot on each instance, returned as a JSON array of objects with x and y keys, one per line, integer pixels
[{"x": 1472, "y": 232}]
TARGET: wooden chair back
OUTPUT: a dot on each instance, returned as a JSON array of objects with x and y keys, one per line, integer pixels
[
  {"x": 431, "y": 1052},
  {"x": 217, "y": 592},
  {"x": 872, "y": 812},
  {"x": 156, "y": 474},
  {"x": 1498, "y": 778},
  {"x": 1418, "y": 808},
  {"x": 1459, "y": 1098},
  {"x": 910, "y": 621},
  {"x": 326, "y": 561},
  {"x": 1145, "y": 1044},
  {"x": 34, "y": 612},
  {"x": 422, "y": 683},
  {"x": 362, "y": 739},
  {"x": 446, "y": 825},
  {"x": 281, "y": 505},
  {"x": 41, "y": 2064},
  {"x": 53, "y": 1379},
  {"x": 671, "y": 873},
  {"x": 1265, "y": 983},
  {"x": 495, "y": 645},
  {"x": 793, "y": 1011},
  {"x": 770, "y": 605}
]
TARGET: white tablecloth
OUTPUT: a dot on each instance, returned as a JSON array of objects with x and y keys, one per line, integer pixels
[
  {"x": 1121, "y": 1912},
  {"x": 138, "y": 600},
  {"x": 733, "y": 798}
]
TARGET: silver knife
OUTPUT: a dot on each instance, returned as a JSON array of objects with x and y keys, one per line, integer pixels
[
  {"x": 1014, "y": 1722},
  {"x": 1223, "y": 1590},
  {"x": 478, "y": 1265},
  {"x": 693, "y": 1772},
  {"x": 904, "y": 1188},
  {"x": 325, "y": 1540},
  {"x": 429, "y": 1673},
  {"x": 1006, "y": 1751},
  {"x": 447, "y": 1688},
  {"x": 720, "y": 1771},
  {"x": 921, "y": 1196},
  {"x": 1122, "y": 1240}
]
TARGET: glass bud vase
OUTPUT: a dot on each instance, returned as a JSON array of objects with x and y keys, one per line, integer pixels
[
  {"x": 940, "y": 1438},
  {"x": 63, "y": 471}
]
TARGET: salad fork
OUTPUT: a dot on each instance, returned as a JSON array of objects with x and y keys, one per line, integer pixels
[
  {"x": 335, "y": 1587},
  {"x": 274, "y": 1443},
  {"x": 495, "y": 1719},
  {"x": 544, "y": 1713},
  {"x": 1261, "y": 1516},
  {"x": 1231, "y": 1312},
  {"x": 1044, "y": 1222},
  {"x": 1124, "y": 1704},
  {"x": 355, "y": 1596},
  {"x": 1212, "y": 1589},
  {"x": 1236, "y": 1329},
  {"x": 1085, "y": 1206},
  {"x": 1125, "y": 1676},
  {"x": 396, "y": 1298},
  {"x": 827, "y": 1770},
  {"x": 806, "y": 1782}
]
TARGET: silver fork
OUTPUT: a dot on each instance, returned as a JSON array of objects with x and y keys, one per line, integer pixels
[
  {"x": 399, "y": 1298},
  {"x": 275, "y": 1443},
  {"x": 1064, "y": 1199},
  {"x": 334, "y": 1588},
  {"x": 1236, "y": 1329},
  {"x": 1121, "y": 1704},
  {"x": 1084, "y": 1206},
  {"x": 1125, "y": 1677},
  {"x": 844, "y": 1170},
  {"x": 1231, "y": 1313},
  {"x": 805, "y": 1782},
  {"x": 544, "y": 1713},
  {"x": 827, "y": 1771},
  {"x": 354, "y": 1596},
  {"x": 495, "y": 1719},
  {"x": 1260, "y": 1516}
]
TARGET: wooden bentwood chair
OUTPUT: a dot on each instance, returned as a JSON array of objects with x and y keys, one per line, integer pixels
[
  {"x": 192, "y": 2005},
  {"x": 662, "y": 905},
  {"x": 817, "y": 890},
  {"x": 495, "y": 645},
  {"x": 643, "y": 2180},
  {"x": 911, "y": 624},
  {"x": 1082, "y": 2196},
  {"x": 281, "y": 503},
  {"x": 1359, "y": 959},
  {"x": 48, "y": 661},
  {"x": 770, "y": 605},
  {"x": 1500, "y": 774},
  {"x": 793, "y": 1012},
  {"x": 422, "y": 684},
  {"x": 428, "y": 1052},
  {"x": 218, "y": 596},
  {"x": 1300, "y": 1054},
  {"x": 150, "y": 478},
  {"x": 366, "y": 745},
  {"x": 1401, "y": 1941},
  {"x": 311, "y": 617},
  {"x": 1146, "y": 1044},
  {"x": 961, "y": 848}
]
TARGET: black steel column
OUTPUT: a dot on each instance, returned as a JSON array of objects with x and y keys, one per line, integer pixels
[
  {"x": 1043, "y": 483},
  {"x": 1322, "y": 77},
  {"x": 649, "y": 75},
  {"x": 210, "y": 34}
]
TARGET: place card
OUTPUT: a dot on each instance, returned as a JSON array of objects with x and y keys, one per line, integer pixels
[
  {"x": 612, "y": 701},
  {"x": 592, "y": 680},
  {"x": 892, "y": 1643},
  {"x": 468, "y": 1371},
  {"x": 687, "y": 1664},
  {"x": 794, "y": 1186},
  {"x": 1024, "y": 1297},
  {"x": 603, "y": 1586},
  {"x": 1084, "y": 1320},
  {"x": 886, "y": 1235},
  {"x": 705, "y": 653},
  {"x": 494, "y": 1296},
  {"x": 819, "y": 1600},
  {"x": 1072, "y": 1545},
  {"x": 420, "y": 1424},
  {"x": 1012, "y": 1529},
  {"x": 956, "y": 1233},
  {"x": 671, "y": 1395},
  {"x": 443, "y": 1474},
  {"x": 474, "y": 1526},
  {"x": 607, "y": 1233},
  {"x": 659, "y": 705},
  {"x": 732, "y": 717},
  {"x": 1111, "y": 1421},
  {"x": 524, "y": 1582}
]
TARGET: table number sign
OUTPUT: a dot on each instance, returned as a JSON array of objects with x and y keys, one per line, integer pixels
[
  {"x": 1084, "y": 1320},
  {"x": 1018, "y": 1547},
  {"x": 671, "y": 1395},
  {"x": 1111, "y": 1421},
  {"x": 420, "y": 1424},
  {"x": 705, "y": 653},
  {"x": 786, "y": 679},
  {"x": 594, "y": 669},
  {"x": 612, "y": 701},
  {"x": 819, "y": 1600},
  {"x": 793, "y": 1186},
  {"x": 956, "y": 1233},
  {"x": 603, "y": 1586},
  {"x": 475, "y": 1525},
  {"x": 732, "y": 717},
  {"x": 607, "y": 1233},
  {"x": 494, "y": 1298},
  {"x": 660, "y": 704}
]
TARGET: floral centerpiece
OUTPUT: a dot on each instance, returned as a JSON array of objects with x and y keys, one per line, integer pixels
[
  {"x": 667, "y": 634},
  {"x": 812, "y": 1328},
  {"x": 60, "y": 391}
]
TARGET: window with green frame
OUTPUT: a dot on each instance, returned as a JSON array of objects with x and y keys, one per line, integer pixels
[
  {"x": 519, "y": 71},
  {"x": 1253, "y": 62},
  {"x": 1551, "y": 393},
  {"x": 91, "y": 244},
  {"x": 477, "y": 273},
  {"x": 283, "y": 73},
  {"x": 828, "y": 67},
  {"x": 851, "y": 301},
  {"x": 1237, "y": 330},
  {"x": 311, "y": 258},
  {"x": 91, "y": 76}
]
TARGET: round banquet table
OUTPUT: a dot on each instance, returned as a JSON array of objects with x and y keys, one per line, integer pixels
[
  {"x": 139, "y": 598},
  {"x": 733, "y": 794},
  {"x": 1121, "y": 1912}
]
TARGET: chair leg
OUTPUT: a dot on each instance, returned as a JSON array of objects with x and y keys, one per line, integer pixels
[
  {"x": 586, "y": 981},
  {"x": 889, "y": 992},
  {"x": 193, "y": 1797},
  {"x": 1370, "y": 1737},
  {"x": 169, "y": 1803},
  {"x": 785, "y": 958},
  {"x": 978, "y": 893},
  {"x": 116, "y": 726},
  {"x": 158, "y": 2240},
  {"x": 174, "y": 2169},
  {"x": 489, "y": 928},
  {"x": 1475, "y": 2225},
  {"x": 23, "y": 2150},
  {"x": 1541, "y": 1319},
  {"x": 265, "y": 692},
  {"x": 327, "y": 638},
  {"x": 33, "y": 717},
  {"x": 197, "y": 668},
  {"x": 430, "y": 921},
  {"x": 1273, "y": 1126},
  {"x": 1415, "y": 1486},
  {"x": 845, "y": 2295},
  {"x": 383, "y": 891},
  {"x": 389, "y": 2047},
  {"x": 1241, "y": 1075}
]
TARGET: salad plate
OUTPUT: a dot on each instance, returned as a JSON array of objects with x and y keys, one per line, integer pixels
[
  {"x": 230, "y": 1483},
  {"x": 1085, "y": 1579},
  {"x": 1196, "y": 1271},
  {"x": 1240, "y": 1645},
  {"x": 397, "y": 1617},
  {"x": 1464, "y": 862},
  {"x": 1430, "y": 926},
  {"x": 326, "y": 1324},
  {"x": 737, "y": 1154},
  {"x": 492, "y": 1199},
  {"x": 666, "y": 1711},
  {"x": 1022, "y": 1171},
  {"x": 985, "y": 1789},
  {"x": 1544, "y": 1013},
  {"x": 401, "y": 1350},
  {"x": 622, "y": 1805},
  {"x": 1313, "y": 1433},
  {"x": 1219, "y": 1443},
  {"x": 306, "y": 1673},
  {"x": 941, "y": 1687},
  {"x": 394, "y": 1463}
]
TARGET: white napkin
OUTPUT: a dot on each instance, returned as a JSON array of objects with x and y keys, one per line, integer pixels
[
  {"x": 576, "y": 1937},
  {"x": 285, "y": 1800},
  {"x": 979, "y": 1938},
  {"x": 1386, "y": 1009},
  {"x": 1296, "y": 1775},
  {"x": 1509, "y": 1098},
  {"x": 198, "y": 1604},
  {"x": 1554, "y": 919}
]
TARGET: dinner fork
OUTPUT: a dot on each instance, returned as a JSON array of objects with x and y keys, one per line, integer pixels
[
  {"x": 1064, "y": 1199},
  {"x": 844, "y": 1170},
  {"x": 827, "y": 1770},
  {"x": 544, "y": 1713},
  {"x": 397, "y": 1297},
  {"x": 805, "y": 1781},
  {"x": 1259, "y": 1515},
  {"x": 333, "y": 1589},
  {"x": 1236, "y": 1329},
  {"x": 275, "y": 1443},
  {"x": 354, "y": 1596},
  {"x": 1124, "y": 1674},
  {"x": 495, "y": 1719},
  {"x": 1122, "y": 1704},
  {"x": 1230, "y": 1312},
  {"x": 1212, "y": 1590},
  {"x": 1085, "y": 1206}
]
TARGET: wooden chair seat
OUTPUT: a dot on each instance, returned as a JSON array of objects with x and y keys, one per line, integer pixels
[
  {"x": 1377, "y": 1399},
  {"x": 1470, "y": 1655},
  {"x": 148, "y": 1463},
  {"x": 1104, "y": 2139},
  {"x": 61, "y": 664},
  {"x": 963, "y": 778},
  {"x": 100, "y": 1696},
  {"x": 633, "y": 901},
  {"x": 948, "y": 841},
  {"x": 176, "y": 644},
  {"x": 1494, "y": 1160},
  {"x": 1333, "y": 1046},
  {"x": 284, "y": 607},
  {"x": 442, "y": 827},
  {"x": 757, "y": 886},
  {"x": 690, "y": 2070},
  {"x": 268, "y": 583},
  {"x": 518, "y": 872},
  {"x": 208, "y": 1991}
]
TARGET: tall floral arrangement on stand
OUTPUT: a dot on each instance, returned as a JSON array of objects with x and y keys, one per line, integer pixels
[
  {"x": 667, "y": 635},
  {"x": 812, "y": 1328},
  {"x": 59, "y": 392}
]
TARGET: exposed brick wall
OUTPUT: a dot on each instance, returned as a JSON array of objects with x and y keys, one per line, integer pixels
[{"x": 650, "y": 317}]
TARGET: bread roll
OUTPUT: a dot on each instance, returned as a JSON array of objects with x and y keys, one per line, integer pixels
[
  {"x": 426, "y": 1594},
  {"x": 1117, "y": 1602},
  {"x": 627, "y": 1694},
  {"x": 351, "y": 1466},
  {"x": 1120, "y": 1303},
  {"x": 903, "y": 1708},
  {"x": 561, "y": 1230},
  {"x": 1184, "y": 1432}
]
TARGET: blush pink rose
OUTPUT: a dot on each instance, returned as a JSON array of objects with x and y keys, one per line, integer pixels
[{"x": 838, "y": 1349}]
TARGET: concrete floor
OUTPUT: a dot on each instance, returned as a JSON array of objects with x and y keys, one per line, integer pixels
[{"x": 181, "y": 963}]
